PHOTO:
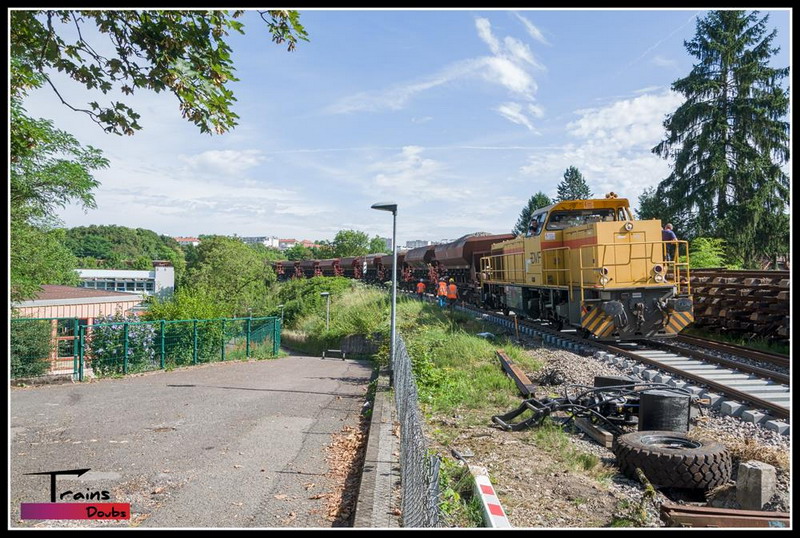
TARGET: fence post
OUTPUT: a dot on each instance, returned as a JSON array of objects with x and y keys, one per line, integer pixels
[
  {"x": 81, "y": 346},
  {"x": 223, "y": 339},
  {"x": 125, "y": 349},
  {"x": 248, "y": 336},
  {"x": 194, "y": 351},
  {"x": 162, "y": 344},
  {"x": 276, "y": 336},
  {"x": 75, "y": 347}
]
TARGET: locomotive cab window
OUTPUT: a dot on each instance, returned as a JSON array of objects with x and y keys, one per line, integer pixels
[
  {"x": 567, "y": 219},
  {"x": 536, "y": 225}
]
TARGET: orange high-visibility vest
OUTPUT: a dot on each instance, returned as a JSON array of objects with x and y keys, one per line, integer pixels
[
  {"x": 442, "y": 289},
  {"x": 452, "y": 291},
  {"x": 420, "y": 287}
]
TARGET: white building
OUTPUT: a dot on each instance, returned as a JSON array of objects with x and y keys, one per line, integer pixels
[
  {"x": 187, "y": 241},
  {"x": 267, "y": 241},
  {"x": 417, "y": 243},
  {"x": 160, "y": 281}
]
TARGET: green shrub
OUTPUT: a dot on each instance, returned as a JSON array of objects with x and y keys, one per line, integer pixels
[{"x": 30, "y": 347}]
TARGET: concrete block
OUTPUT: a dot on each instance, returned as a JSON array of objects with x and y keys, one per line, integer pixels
[
  {"x": 662, "y": 378},
  {"x": 600, "y": 355},
  {"x": 715, "y": 400},
  {"x": 649, "y": 374},
  {"x": 695, "y": 391},
  {"x": 639, "y": 369},
  {"x": 732, "y": 408},
  {"x": 755, "y": 484},
  {"x": 777, "y": 426},
  {"x": 754, "y": 416}
]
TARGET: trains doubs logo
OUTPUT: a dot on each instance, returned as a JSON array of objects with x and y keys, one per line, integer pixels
[{"x": 61, "y": 507}]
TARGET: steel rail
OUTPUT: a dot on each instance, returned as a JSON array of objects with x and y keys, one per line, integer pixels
[
  {"x": 730, "y": 363},
  {"x": 772, "y": 358},
  {"x": 777, "y": 410}
]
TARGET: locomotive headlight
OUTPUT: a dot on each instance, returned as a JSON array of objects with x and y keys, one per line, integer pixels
[
  {"x": 603, "y": 280},
  {"x": 658, "y": 269},
  {"x": 658, "y": 278},
  {"x": 629, "y": 226}
]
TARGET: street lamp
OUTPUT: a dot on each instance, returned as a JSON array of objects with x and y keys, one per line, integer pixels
[
  {"x": 281, "y": 307},
  {"x": 388, "y": 206},
  {"x": 327, "y": 311}
]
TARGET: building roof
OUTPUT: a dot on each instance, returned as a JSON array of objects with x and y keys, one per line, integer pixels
[
  {"x": 179, "y": 239},
  {"x": 51, "y": 292},
  {"x": 115, "y": 273},
  {"x": 52, "y": 295}
]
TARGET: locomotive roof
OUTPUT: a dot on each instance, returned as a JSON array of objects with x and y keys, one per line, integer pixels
[{"x": 584, "y": 204}]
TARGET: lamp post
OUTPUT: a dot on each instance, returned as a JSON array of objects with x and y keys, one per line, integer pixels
[
  {"x": 327, "y": 310},
  {"x": 388, "y": 206},
  {"x": 281, "y": 307}
]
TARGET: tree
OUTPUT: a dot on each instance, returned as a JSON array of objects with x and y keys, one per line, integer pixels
[
  {"x": 350, "y": 243},
  {"x": 377, "y": 245},
  {"x": 48, "y": 170},
  {"x": 537, "y": 201},
  {"x": 298, "y": 252},
  {"x": 573, "y": 186},
  {"x": 182, "y": 51},
  {"x": 728, "y": 140},
  {"x": 323, "y": 251},
  {"x": 38, "y": 256},
  {"x": 235, "y": 274}
]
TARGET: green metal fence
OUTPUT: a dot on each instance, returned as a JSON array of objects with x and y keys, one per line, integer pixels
[
  {"x": 44, "y": 347},
  {"x": 125, "y": 347}
]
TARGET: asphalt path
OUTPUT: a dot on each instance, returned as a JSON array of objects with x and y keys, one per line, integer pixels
[{"x": 225, "y": 445}]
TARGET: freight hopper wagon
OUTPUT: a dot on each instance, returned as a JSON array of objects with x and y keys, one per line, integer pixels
[{"x": 590, "y": 265}]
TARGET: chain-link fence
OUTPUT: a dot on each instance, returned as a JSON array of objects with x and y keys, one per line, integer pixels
[
  {"x": 118, "y": 346},
  {"x": 43, "y": 347},
  {"x": 419, "y": 468}
]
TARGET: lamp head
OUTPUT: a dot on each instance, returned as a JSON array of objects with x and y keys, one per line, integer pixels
[{"x": 385, "y": 206}]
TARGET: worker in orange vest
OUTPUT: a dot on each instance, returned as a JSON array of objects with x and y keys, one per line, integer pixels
[
  {"x": 420, "y": 289},
  {"x": 441, "y": 292},
  {"x": 452, "y": 293}
]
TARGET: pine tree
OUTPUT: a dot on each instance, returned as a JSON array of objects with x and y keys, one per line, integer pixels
[
  {"x": 535, "y": 202},
  {"x": 729, "y": 138},
  {"x": 573, "y": 187}
]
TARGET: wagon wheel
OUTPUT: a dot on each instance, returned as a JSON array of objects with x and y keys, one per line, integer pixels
[{"x": 671, "y": 459}]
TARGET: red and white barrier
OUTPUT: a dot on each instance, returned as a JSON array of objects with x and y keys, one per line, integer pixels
[{"x": 493, "y": 513}]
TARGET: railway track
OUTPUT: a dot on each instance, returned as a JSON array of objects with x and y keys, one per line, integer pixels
[
  {"x": 772, "y": 358},
  {"x": 755, "y": 387}
]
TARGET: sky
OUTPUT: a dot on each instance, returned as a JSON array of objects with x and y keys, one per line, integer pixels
[{"x": 458, "y": 116}]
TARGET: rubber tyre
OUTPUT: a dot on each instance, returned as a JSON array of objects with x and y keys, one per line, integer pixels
[{"x": 672, "y": 460}]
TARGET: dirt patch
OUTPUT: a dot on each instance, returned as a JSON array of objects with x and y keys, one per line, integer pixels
[{"x": 345, "y": 457}]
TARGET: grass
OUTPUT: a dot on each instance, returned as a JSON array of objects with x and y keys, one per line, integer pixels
[
  {"x": 459, "y": 506},
  {"x": 552, "y": 438}
]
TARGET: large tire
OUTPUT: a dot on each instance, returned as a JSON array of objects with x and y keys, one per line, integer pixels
[{"x": 672, "y": 460}]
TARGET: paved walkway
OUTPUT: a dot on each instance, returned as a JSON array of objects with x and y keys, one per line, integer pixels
[{"x": 238, "y": 444}]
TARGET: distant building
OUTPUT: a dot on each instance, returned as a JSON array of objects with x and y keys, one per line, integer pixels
[
  {"x": 388, "y": 242},
  {"x": 417, "y": 243},
  {"x": 283, "y": 244},
  {"x": 160, "y": 281},
  {"x": 187, "y": 241},
  {"x": 267, "y": 241}
]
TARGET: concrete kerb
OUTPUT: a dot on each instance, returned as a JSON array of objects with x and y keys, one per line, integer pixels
[
  {"x": 375, "y": 507},
  {"x": 493, "y": 514}
]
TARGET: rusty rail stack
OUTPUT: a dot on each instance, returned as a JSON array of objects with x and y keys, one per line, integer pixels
[{"x": 748, "y": 302}]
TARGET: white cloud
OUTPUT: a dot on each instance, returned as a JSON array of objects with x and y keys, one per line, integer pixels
[
  {"x": 611, "y": 147},
  {"x": 485, "y": 33},
  {"x": 660, "y": 61},
  {"x": 508, "y": 66},
  {"x": 513, "y": 113},
  {"x": 229, "y": 162},
  {"x": 412, "y": 175},
  {"x": 533, "y": 31}
]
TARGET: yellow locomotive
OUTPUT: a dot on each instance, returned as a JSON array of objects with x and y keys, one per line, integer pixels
[{"x": 588, "y": 264}]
